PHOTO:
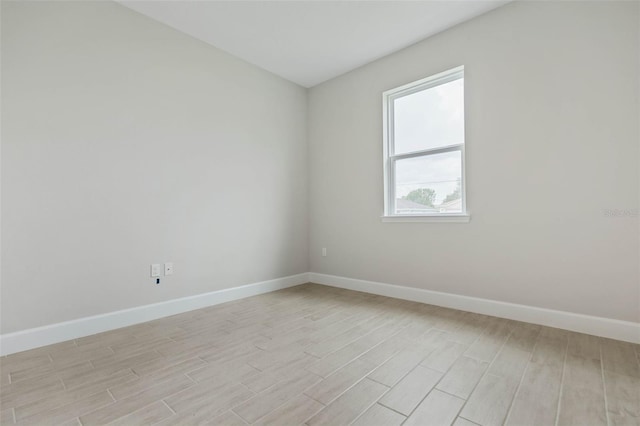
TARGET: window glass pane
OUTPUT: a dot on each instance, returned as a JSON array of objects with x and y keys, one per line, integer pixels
[
  {"x": 429, "y": 119},
  {"x": 429, "y": 184}
]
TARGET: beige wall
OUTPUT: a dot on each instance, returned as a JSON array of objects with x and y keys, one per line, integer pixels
[
  {"x": 126, "y": 143},
  {"x": 552, "y": 142}
]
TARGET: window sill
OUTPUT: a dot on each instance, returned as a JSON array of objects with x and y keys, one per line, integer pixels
[{"x": 442, "y": 218}]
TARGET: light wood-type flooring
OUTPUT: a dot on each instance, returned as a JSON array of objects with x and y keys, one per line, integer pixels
[{"x": 318, "y": 355}]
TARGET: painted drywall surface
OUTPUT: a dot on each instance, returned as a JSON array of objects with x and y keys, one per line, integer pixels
[
  {"x": 552, "y": 143},
  {"x": 126, "y": 143}
]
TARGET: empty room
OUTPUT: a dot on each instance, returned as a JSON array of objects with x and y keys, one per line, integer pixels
[{"x": 319, "y": 212}]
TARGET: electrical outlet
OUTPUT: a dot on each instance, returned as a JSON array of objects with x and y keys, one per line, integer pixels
[
  {"x": 324, "y": 252},
  {"x": 155, "y": 270},
  {"x": 168, "y": 268}
]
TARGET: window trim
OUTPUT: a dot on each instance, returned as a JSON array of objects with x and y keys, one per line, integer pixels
[{"x": 389, "y": 160}]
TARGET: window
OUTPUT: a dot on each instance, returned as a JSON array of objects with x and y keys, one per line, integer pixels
[{"x": 424, "y": 149}]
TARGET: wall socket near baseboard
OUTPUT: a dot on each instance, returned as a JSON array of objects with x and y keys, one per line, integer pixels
[{"x": 168, "y": 268}]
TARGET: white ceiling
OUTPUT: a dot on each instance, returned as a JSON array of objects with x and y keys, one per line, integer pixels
[{"x": 309, "y": 42}]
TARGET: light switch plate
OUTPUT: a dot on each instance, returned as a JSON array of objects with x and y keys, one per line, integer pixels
[{"x": 155, "y": 270}]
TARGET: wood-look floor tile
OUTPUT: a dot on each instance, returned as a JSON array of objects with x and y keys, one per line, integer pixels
[
  {"x": 443, "y": 357},
  {"x": 212, "y": 397},
  {"x": 132, "y": 387},
  {"x": 52, "y": 369},
  {"x": 584, "y": 346},
  {"x": 83, "y": 353},
  {"x": 98, "y": 380},
  {"x": 226, "y": 419},
  {"x": 204, "y": 415},
  {"x": 22, "y": 361},
  {"x": 296, "y": 339},
  {"x": 463, "y": 377},
  {"x": 68, "y": 411},
  {"x": 350, "y": 404},
  {"x": 135, "y": 402},
  {"x": 324, "y": 334},
  {"x": 151, "y": 414},
  {"x": 232, "y": 352},
  {"x": 466, "y": 328},
  {"x": 224, "y": 372},
  {"x": 264, "y": 380},
  {"x": 183, "y": 350},
  {"x": 460, "y": 421},
  {"x": 437, "y": 409},
  {"x": 28, "y": 385},
  {"x": 537, "y": 398},
  {"x": 429, "y": 338},
  {"x": 14, "y": 396},
  {"x": 330, "y": 315},
  {"x": 44, "y": 350},
  {"x": 623, "y": 398},
  {"x": 407, "y": 394},
  {"x": 489, "y": 403},
  {"x": 139, "y": 345},
  {"x": 6, "y": 416},
  {"x": 491, "y": 340},
  {"x": 620, "y": 357},
  {"x": 107, "y": 338},
  {"x": 392, "y": 371},
  {"x": 337, "y": 383},
  {"x": 334, "y": 361},
  {"x": 166, "y": 330},
  {"x": 293, "y": 412},
  {"x": 510, "y": 362},
  {"x": 288, "y": 327},
  {"x": 325, "y": 355},
  {"x": 69, "y": 396},
  {"x": 270, "y": 399},
  {"x": 325, "y": 347},
  {"x": 4, "y": 378},
  {"x": 582, "y": 401},
  {"x": 378, "y": 415},
  {"x": 158, "y": 368},
  {"x": 264, "y": 360},
  {"x": 117, "y": 362},
  {"x": 523, "y": 336},
  {"x": 72, "y": 422},
  {"x": 385, "y": 350}
]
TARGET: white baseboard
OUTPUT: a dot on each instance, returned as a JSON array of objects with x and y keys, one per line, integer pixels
[
  {"x": 60, "y": 332},
  {"x": 598, "y": 326}
]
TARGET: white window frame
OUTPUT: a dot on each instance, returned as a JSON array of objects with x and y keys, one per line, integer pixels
[{"x": 390, "y": 158}]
